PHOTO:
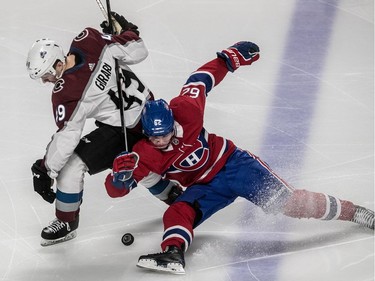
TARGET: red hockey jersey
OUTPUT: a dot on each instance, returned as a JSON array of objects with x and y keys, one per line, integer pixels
[{"x": 194, "y": 155}]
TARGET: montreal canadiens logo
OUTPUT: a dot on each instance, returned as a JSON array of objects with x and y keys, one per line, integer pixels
[{"x": 194, "y": 160}]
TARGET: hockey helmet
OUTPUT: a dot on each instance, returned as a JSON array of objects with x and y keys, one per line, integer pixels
[
  {"x": 157, "y": 118},
  {"x": 42, "y": 58}
]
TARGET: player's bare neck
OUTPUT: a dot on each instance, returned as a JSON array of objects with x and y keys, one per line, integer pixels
[{"x": 70, "y": 61}]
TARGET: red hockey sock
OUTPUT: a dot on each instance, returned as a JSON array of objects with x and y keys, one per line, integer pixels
[
  {"x": 178, "y": 222},
  {"x": 307, "y": 204}
]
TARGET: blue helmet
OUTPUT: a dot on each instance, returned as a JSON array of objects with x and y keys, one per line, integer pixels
[{"x": 157, "y": 118}]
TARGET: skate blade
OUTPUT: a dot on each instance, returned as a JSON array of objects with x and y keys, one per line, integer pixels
[
  {"x": 69, "y": 236},
  {"x": 175, "y": 268}
]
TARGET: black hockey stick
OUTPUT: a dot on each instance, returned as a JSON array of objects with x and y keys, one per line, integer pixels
[
  {"x": 127, "y": 239},
  {"x": 108, "y": 16}
]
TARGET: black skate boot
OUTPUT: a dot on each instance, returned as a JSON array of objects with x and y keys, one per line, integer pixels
[
  {"x": 172, "y": 260},
  {"x": 59, "y": 231},
  {"x": 364, "y": 217}
]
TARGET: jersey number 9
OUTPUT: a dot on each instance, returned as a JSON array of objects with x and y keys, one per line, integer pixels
[{"x": 60, "y": 113}]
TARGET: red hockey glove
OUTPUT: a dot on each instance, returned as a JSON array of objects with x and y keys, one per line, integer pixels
[
  {"x": 241, "y": 53},
  {"x": 113, "y": 190},
  {"x": 124, "y": 165}
]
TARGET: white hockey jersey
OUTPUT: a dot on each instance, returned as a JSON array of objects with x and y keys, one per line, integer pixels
[{"x": 89, "y": 90}]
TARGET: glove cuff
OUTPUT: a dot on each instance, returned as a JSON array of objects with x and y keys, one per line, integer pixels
[
  {"x": 223, "y": 55},
  {"x": 112, "y": 190}
]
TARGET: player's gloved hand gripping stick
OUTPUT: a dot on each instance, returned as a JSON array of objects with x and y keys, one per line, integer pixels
[
  {"x": 123, "y": 167},
  {"x": 120, "y": 25}
]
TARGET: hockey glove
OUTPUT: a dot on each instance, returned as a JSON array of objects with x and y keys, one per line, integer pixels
[
  {"x": 241, "y": 53},
  {"x": 42, "y": 182},
  {"x": 120, "y": 25},
  {"x": 123, "y": 166},
  {"x": 115, "y": 190}
]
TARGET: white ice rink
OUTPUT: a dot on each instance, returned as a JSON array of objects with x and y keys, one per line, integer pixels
[{"x": 306, "y": 107}]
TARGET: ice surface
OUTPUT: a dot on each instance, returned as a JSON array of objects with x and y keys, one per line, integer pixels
[{"x": 306, "y": 107}]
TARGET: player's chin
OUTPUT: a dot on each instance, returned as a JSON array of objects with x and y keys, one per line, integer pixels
[{"x": 161, "y": 146}]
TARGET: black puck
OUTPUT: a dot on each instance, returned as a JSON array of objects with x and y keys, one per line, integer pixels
[{"x": 127, "y": 239}]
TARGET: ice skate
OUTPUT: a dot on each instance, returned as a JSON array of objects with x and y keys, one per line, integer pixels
[
  {"x": 58, "y": 232},
  {"x": 172, "y": 261},
  {"x": 364, "y": 217}
]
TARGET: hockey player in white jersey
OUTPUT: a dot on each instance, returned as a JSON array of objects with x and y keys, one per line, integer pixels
[{"x": 85, "y": 87}]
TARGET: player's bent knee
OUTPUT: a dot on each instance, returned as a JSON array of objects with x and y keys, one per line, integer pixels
[
  {"x": 180, "y": 211},
  {"x": 71, "y": 177}
]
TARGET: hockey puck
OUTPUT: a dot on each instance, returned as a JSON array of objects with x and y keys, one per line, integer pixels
[{"x": 127, "y": 239}]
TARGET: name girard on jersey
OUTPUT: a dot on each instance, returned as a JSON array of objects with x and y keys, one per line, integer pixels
[{"x": 104, "y": 76}]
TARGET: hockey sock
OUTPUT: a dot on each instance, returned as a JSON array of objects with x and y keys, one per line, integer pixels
[
  {"x": 178, "y": 222},
  {"x": 307, "y": 204}
]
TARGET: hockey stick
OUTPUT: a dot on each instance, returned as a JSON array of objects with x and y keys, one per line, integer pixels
[
  {"x": 127, "y": 239},
  {"x": 102, "y": 9},
  {"x": 107, "y": 15}
]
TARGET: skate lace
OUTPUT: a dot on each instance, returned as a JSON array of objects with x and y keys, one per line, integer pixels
[
  {"x": 56, "y": 225},
  {"x": 364, "y": 217}
]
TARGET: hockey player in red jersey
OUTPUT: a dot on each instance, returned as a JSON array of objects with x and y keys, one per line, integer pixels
[
  {"x": 85, "y": 87},
  {"x": 179, "y": 151}
]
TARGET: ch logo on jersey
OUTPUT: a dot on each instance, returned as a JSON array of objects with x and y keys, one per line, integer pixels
[{"x": 197, "y": 157}]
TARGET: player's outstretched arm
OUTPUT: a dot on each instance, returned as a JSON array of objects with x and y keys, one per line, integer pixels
[
  {"x": 212, "y": 73},
  {"x": 241, "y": 53}
]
